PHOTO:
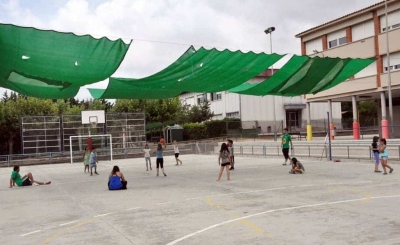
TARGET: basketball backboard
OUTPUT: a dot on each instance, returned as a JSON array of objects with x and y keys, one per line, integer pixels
[{"x": 97, "y": 116}]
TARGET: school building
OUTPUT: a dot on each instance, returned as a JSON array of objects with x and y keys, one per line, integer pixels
[
  {"x": 258, "y": 112},
  {"x": 362, "y": 34}
]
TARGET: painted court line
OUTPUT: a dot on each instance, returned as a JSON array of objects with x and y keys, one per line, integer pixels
[
  {"x": 273, "y": 211},
  {"x": 132, "y": 208},
  {"x": 68, "y": 223},
  {"x": 102, "y": 215},
  {"x": 162, "y": 203},
  {"x": 26, "y": 234}
]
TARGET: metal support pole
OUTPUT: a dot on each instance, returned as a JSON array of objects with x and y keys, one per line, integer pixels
[
  {"x": 329, "y": 140},
  {"x": 273, "y": 96},
  {"x": 388, "y": 74}
]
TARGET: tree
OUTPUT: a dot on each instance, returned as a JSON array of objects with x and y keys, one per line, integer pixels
[{"x": 200, "y": 113}]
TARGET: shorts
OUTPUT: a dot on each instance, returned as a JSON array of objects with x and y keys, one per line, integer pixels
[
  {"x": 93, "y": 165},
  {"x": 384, "y": 157},
  {"x": 160, "y": 162},
  {"x": 176, "y": 155},
  {"x": 26, "y": 182},
  {"x": 225, "y": 164},
  {"x": 376, "y": 155},
  {"x": 285, "y": 152},
  {"x": 147, "y": 159}
]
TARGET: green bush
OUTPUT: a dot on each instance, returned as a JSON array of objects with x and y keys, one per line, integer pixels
[{"x": 194, "y": 131}]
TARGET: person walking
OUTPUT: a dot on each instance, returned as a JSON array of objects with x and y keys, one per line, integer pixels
[
  {"x": 286, "y": 145},
  {"x": 224, "y": 161},
  {"x": 383, "y": 153}
]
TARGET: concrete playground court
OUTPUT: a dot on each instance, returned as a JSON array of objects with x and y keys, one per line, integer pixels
[{"x": 332, "y": 203}]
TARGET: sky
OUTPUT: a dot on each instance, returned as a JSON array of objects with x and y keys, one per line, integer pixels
[{"x": 164, "y": 29}]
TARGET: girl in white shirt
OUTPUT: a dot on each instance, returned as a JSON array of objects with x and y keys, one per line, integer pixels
[
  {"x": 146, "y": 151},
  {"x": 176, "y": 150}
]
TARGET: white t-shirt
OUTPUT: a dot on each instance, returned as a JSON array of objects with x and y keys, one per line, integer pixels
[
  {"x": 176, "y": 149},
  {"x": 146, "y": 152}
]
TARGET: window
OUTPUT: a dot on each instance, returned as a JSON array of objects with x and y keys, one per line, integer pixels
[
  {"x": 293, "y": 119},
  {"x": 394, "y": 62},
  {"x": 202, "y": 99},
  {"x": 393, "y": 21},
  {"x": 233, "y": 114},
  {"x": 337, "y": 38},
  {"x": 363, "y": 30},
  {"x": 312, "y": 45},
  {"x": 215, "y": 96}
]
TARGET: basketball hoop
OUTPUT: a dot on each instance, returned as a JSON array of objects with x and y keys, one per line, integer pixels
[
  {"x": 93, "y": 121},
  {"x": 93, "y": 124}
]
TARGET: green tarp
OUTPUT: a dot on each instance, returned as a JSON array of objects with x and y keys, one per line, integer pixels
[
  {"x": 199, "y": 70},
  {"x": 50, "y": 64},
  {"x": 208, "y": 71},
  {"x": 305, "y": 75}
]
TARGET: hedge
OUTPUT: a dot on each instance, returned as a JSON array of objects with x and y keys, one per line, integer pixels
[{"x": 194, "y": 131}]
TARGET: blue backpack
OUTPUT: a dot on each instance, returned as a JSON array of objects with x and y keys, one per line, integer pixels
[{"x": 115, "y": 183}]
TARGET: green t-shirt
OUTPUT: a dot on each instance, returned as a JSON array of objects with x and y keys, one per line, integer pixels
[
  {"x": 16, "y": 177},
  {"x": 286, "y": 138}
]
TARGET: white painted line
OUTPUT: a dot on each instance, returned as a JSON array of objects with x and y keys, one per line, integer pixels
[
  {"x": 161, "y": 203},
  {"x": 273, "y": 211},
  {"x": 102, "y": 215},
  {"x": 306, "y": 185},
  {"x": 26, "y": 234},
  {"x": 132, "y": 208},
  {"x": 68, "y": 223},
  {"x": 237, "y": 193}
]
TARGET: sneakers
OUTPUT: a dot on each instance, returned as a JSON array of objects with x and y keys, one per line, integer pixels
[
  {"x": 391, "y": 171},
  {"x": 96, "y": 173},
  {"x": 48, "y": 183},
  {"x": 284, "y": 164},
  {"x": 165, "y": 174},
  {"x": 232, "y": 168}
]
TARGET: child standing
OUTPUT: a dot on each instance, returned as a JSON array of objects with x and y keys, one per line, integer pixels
[
  {"x": 159, "y": 156},
  {"x": 146, "y": 151},
  {"x": 375, "y": 150},
  {"x": 86, "y": 157},
  {"x": 224, "y": 161},
  {"x": 297, "y": 167},
  {"x": 176, "y": 150},
  {"x": 384, "y": 155},
  {"x": 93, "y": 161},
  {"x": 230, "y": 148}
]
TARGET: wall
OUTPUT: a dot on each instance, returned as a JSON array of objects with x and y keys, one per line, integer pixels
[{"x": 396, "y": 117}]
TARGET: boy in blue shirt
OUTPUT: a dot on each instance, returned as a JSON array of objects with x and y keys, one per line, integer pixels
[{"x": 93, "y": 161}]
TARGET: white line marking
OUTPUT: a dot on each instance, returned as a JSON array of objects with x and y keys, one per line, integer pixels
[
  {"x": 132, "y": 208},
  {"x": 161, "y": 203},
  {"x": 26, "y": 234},
  {"x": 102, "y": 215},
  {"x": 273, "y": 211},
  {"x": 68, "y": 223}
]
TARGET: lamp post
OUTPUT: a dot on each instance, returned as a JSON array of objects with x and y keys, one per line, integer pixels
[
  {"x": 269, "y": 31},
  {"x": 389, "y": 85},
  {"x": 318, "y": 52}
]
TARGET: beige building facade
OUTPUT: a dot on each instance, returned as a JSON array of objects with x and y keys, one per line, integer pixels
[{"x": 362, "y": 34}]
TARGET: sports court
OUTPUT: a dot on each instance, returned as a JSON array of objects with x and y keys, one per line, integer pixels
[{"x": 332, "y": 203}]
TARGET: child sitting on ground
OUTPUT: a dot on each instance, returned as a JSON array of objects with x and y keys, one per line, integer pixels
[{"x": 297, "y": 167}]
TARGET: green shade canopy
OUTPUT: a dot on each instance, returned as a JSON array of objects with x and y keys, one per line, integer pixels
[
  {"x": 199, "y": 70},
  {"x": 50, "y": 64},
  {"x": 305, "y": 75}
]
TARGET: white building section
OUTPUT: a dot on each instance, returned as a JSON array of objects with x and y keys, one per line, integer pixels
[{"x": 256, "y": 110}]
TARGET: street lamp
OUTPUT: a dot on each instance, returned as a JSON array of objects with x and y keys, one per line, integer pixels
[
  {"x": 269, "y": 31},
  {"x": 318, "y": 52}
]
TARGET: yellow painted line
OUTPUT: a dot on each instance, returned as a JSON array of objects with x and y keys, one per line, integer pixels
[
  {"x": 243, "y": 221},
  {"x": 51, "y": 238}
]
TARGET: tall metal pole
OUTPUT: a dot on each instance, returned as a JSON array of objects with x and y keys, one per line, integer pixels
[
  {"x": 388, "y": 73},
  {"x": 329, "y": 139},
  {"x": 273, "y": 96}
]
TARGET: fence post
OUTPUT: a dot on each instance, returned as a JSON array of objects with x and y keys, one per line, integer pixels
[
  {"x": 399, "y": 151},
  {"x": 8, "y": 160},
  {"x": 241, "y": 149},
  {"x": 265, "y": 150},
  {"x": 277, "y": 149},
  {"x": 51, "y": 158},
  {"x": 309, "y": 151},
  {"x": 348, "y": 152},
  {"x": 252, "y": 150}
]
